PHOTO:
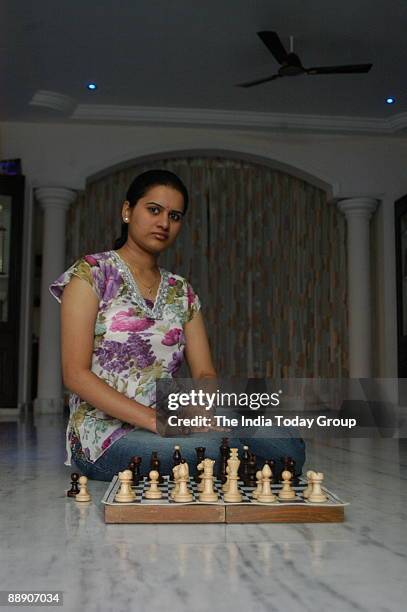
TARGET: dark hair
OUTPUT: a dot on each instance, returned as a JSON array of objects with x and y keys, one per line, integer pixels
[{"x": 139, "y": 187}]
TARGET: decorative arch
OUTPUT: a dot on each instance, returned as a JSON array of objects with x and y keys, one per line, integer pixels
[
  {"x": 216, "y": 152},
  {"x": 263, "y": 248}
]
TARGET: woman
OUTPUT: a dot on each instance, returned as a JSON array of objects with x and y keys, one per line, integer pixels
[{"x": 125, "y": 322}]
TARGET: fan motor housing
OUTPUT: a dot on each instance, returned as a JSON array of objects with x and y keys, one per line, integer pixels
[{"x": 292, "y": 66}]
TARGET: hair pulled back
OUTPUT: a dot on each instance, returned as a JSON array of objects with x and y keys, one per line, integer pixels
[{"x": 140, "y": 186}]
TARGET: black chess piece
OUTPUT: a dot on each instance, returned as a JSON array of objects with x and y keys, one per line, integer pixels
[
  {"x": 137, "y": 476},
  {"x": 176, "y": 459},
  {"x": 153, "y": 460},
  {"x": 74, "y": 490},
  {"x": 295, "y": 481},
  {"x": 289, "y": 464},
  {"x": 155, "y": 465},
  {"x": 224, "y": 456},
  {"x": 131, "y": 467},
  {"x": 200, "y": 456},
  {"x": 243, "y": 472},
  {"x": 252, "y": 469},
  {"x": 176, "y": 456}
]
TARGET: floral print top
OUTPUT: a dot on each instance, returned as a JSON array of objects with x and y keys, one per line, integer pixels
[{"x": 136, "y": 341}]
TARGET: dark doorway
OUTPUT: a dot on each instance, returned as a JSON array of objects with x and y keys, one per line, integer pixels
[{"x": 11, "y": 246}]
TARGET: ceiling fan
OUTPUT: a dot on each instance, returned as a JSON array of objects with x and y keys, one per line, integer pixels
[{"x": 291, "y": 64}]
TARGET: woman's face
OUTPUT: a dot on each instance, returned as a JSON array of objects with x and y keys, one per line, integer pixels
[{"x": 156, "y": 220}]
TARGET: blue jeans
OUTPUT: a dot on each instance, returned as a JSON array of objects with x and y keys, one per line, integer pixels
[{"x": 142, "y": 443}]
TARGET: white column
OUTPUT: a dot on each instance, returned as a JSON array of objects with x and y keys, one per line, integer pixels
[
  {"x": 358, "y": 212},
  {"x": 55, "y": 202}
]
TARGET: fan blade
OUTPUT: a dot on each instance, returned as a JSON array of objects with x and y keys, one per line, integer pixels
[
  {"x": 274, "y": 44},
  {"x": 259, "y": 81},
  {"x": 351, "y": 68}
]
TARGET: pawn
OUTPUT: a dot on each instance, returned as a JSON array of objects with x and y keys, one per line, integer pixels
[
  {"x": 308, "y": 490},
  {"x": 83, "y": 495},
  {"x": 266, "y": 495},
  {"x": 287, "y": 492},
  {"x": 259, "y": 478},
  {"x": 125, "y": 494},
  {"x": 287, "y": 465},
  {"x": 153, "y": 492},
  {"x": 74, "y": 490},
  {"x": 317, "y": 496}
]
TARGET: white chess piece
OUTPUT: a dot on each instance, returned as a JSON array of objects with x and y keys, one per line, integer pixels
[
  {"x": 308, "y": 490},
  {"x": 233, "y": 494},
  {"x": 125, "y": 494},
  {"x": 200, "y": 485},
  {"x": 183, "y": 494},
  {"x": 175, "y": 471},
  {"x": 153, "y": 492},
  {"x": 287, "y": 492},
  {"x": 208, "y": 494},
  {"x": 176, "y": 482},
  {"x": 83, "y": 495},
  {"x": 225, "y": 486},
  {"x": 259, "y": 478},
  {"x": 317, "y": 496},
  {"x": 266, "y": 496}
]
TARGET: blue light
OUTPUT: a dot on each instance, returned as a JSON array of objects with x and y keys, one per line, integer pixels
[
  {"x": 390, "y": 100},
  {"x": 92, "y": 86}
]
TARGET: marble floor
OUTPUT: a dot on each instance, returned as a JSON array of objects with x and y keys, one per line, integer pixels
[{"x": 48, "y": 542}]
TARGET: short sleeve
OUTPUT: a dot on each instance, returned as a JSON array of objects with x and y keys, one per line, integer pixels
[
  {"x": 87, "y": 269},
  {"x": 194, "y": 303}
]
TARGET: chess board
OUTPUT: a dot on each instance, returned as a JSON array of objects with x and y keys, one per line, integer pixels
[{"x": 249, "y": 510}]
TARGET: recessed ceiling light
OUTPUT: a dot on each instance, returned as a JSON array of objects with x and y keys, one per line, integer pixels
[
  {"x": 390, "y": 100},
  {"x": 92, "y": 86}
]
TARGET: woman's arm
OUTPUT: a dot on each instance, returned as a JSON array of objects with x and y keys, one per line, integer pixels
[
  {"x": 197, "y": 349},
  {"x": 199, "y": 359},
  {"x": 78, "y": 315}
]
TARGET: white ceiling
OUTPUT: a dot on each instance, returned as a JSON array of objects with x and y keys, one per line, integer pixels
[{"x": 190, "y": 54}]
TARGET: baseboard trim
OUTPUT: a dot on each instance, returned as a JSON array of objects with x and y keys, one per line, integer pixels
[{"x": 10, "y": 414}]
